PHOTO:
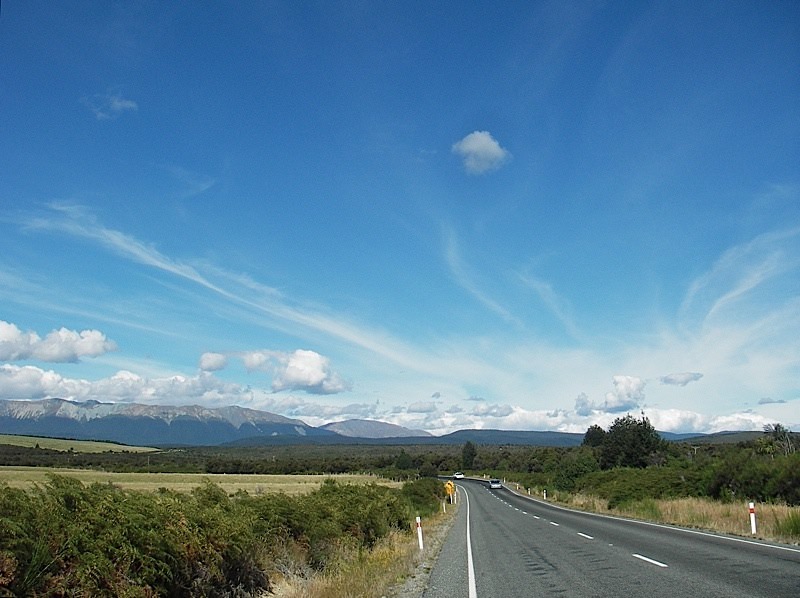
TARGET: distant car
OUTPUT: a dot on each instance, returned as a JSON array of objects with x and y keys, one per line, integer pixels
[
  {"x": 495, "y": 483},
  {"x": 458, "y": 476}
]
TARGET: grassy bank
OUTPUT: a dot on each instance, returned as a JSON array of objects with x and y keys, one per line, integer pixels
[
  {"x": 774, "y": 522},
  {"x": 75, "y": 446},
  {"x": 381, "y": 571}
]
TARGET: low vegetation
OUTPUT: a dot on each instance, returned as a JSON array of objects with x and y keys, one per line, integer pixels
[
  {"x": 67, "y": 538},
  {"x": 215, "y": 525}
]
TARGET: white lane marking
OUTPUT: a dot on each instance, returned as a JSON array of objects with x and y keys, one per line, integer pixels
[
  {"x": 587, "y": 536},
  {"x": 536, "y": 517},
  {"x": 553, "y": 523},
  {"x": 663, "y": 526},
  {"x": 473, "y": 592},
  {"x": 651, "y": 561}
]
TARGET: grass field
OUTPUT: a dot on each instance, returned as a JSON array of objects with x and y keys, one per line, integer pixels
[
  {"x": 78, "y": 446},
  {"x": 26, "y": 477}
]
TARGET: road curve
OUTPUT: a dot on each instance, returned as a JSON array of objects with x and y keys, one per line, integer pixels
[{"x": 524, "y": 547}]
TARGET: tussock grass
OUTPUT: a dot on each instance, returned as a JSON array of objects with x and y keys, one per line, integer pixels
[
  {"x": 365, "y": 574},
  {"x": 779, "y": 523},
  {"x": 254, "y": 484}
]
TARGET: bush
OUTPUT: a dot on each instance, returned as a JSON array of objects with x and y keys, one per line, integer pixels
[{"x": 424, "y": 496}]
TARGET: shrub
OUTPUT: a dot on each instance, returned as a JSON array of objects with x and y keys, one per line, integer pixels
[{"x": 790, "y": 526}]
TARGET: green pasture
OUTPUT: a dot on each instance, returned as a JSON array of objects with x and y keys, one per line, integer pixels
[{"x": 77, "y": 446}]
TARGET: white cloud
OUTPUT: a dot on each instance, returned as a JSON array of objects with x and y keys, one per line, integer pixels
[
  {"x": 480, "y": 152},
  {"x": 681, "y": 379},
  {"x": 30, "y": 382},
  {"x": 308, "y": 371},
  {"x": 213, "y": 362},
  {"x": 628, "y": 394},
  {"x": 109, "y": 106},
  {"x": 422, "y": 407},
  {"x": 258, "y": 361},
  {"x": 583, "y": 406},
  {"x": 492, "y": 410},
  {"x": 59, "y": 346},
  {"x": 299, "y": 370}
]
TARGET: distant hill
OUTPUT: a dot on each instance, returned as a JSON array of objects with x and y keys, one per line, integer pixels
[
  {"x": 512, "y": 437},
  {"x": 724, "y": 437},
  {"x": 367, "y": 428}
]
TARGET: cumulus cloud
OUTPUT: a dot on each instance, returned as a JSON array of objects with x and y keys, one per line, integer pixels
[
  {"x": 109, "y": 106},
  {"x": 492, "y": 410},
  {"x": 480, "y": 152},
  {"x": 628, "y": 394},
  {"x": 213, "y": 362},
  {"x": 258, "y": 361},
  {"x": 583, "y": 406},
  {"x": 308, "y": 371},
  {"x": 681, "y": 379},
  {"x": 302, "y": 369},
  {"x": 30, "y": 382},
  {"x": 59, "y": 346}
]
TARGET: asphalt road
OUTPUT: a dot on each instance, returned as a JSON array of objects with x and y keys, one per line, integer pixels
[{"x": 522, "y": 547}]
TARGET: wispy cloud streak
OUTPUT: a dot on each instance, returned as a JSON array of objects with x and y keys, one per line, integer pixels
[
  {"x": 74, "y": 221},
  {"x": 466, "y": 279}
]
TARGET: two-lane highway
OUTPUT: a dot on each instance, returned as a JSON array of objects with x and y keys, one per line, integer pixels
[{"x": 524, "y": 547}]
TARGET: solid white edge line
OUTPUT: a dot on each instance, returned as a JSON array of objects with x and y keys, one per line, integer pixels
[
  {"x": 651, "y": 561},
  {"x": 662, "y": 525},
  {"x": 473, "y": 592}
]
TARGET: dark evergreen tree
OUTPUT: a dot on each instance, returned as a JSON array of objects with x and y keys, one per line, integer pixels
[
  {"x": 631, "y": 442},
  {"x": 468, "y": 454},
  {"x": 594, "y": 436}
]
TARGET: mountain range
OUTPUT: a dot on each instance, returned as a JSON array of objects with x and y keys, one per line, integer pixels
[{"x": 162, "y": 426}]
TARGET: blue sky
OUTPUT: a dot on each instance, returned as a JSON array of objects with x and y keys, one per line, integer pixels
[{"x": 537, "y": 215}]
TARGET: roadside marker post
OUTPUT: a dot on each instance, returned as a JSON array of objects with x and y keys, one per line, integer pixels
[
  {"x": 752, "y": 518},
  {"x": 419, "y": 532}
]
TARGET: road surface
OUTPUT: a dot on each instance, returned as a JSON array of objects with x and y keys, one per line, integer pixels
[{"x": 520, "y": 547}]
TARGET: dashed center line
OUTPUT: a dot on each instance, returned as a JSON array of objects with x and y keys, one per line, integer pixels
[
  {"x": 553, "y": 523},
  {"x": 587, "y": 536},
  {"x": 651, "y": 561}
]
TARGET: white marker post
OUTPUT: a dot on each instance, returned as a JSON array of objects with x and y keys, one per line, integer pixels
[
  {"x": 753, "y": 518},
  {"x": 544, "y": 494},
  {"x": 419, "y": 532}
]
